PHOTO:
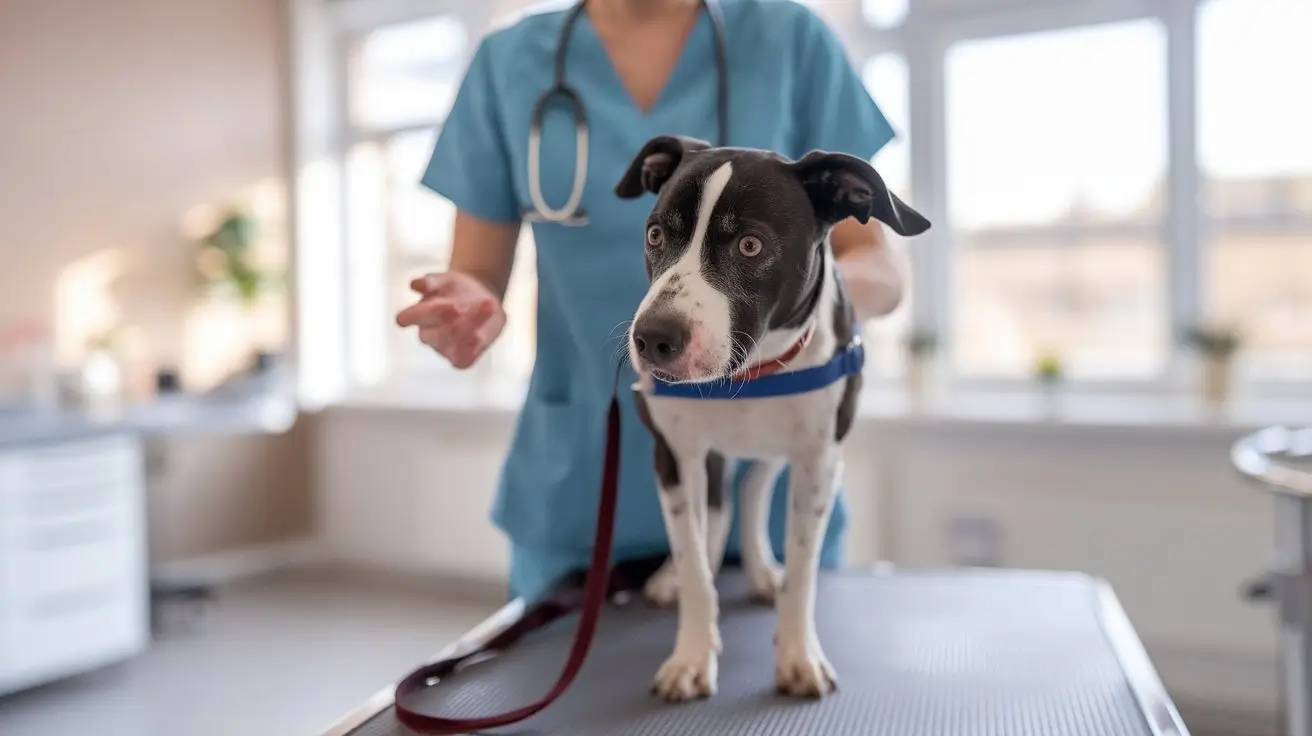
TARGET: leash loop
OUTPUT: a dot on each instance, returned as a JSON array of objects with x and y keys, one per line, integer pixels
[{"x": 600, "y": 579}]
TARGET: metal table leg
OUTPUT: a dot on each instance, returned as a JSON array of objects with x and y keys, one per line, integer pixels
[
  {"x": 1294, "y": 551},
  {"x": 1263, "y": 457}
]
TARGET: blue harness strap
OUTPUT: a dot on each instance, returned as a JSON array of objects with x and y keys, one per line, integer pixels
[{"x": 851, "y": 360}]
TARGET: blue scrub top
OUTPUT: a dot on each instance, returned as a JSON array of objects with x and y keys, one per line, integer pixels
[{"x": 791, "y": 89}]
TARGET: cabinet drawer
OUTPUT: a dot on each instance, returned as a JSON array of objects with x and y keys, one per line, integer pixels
[
  {"x": 70, "y": 500},
  {"x": 53, "y": 556},
  {"x": 68, "y": 483},
  {"x": 106, "y": 461},
  {"x": 60, "y": 634}
]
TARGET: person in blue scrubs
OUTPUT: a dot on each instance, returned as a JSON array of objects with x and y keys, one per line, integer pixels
[{"x": 641, "y": 68}]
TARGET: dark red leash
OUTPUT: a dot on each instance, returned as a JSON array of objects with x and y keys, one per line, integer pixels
[{"x": 600, "y": 581}]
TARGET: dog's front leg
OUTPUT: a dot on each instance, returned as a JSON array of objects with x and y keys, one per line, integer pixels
[
  {"x": 692, "y": 670},
  {"x": 801, "y": 668},
  {"x": 662, "y": 588}
]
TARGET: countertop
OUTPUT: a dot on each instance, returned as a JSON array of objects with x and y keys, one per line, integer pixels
[{"x": 256, "y": 407}]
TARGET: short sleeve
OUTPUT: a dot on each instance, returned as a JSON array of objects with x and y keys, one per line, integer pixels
[
  {"x": 470, "y": 165},
  {"x": 834, "y": 109}
]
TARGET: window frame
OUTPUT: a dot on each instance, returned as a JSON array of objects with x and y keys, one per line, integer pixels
[
  {"x": 923, "y": 40},
  {"x": 928, "y": 35},
  {"x": 351, "y": 21},
  {"x": 1176, "y": 250}
]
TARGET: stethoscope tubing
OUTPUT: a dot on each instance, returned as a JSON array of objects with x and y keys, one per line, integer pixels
[{"x": 569, "y": 213}]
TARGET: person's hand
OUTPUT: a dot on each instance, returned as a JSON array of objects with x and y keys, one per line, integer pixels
[{"x": 456, "y": 315}]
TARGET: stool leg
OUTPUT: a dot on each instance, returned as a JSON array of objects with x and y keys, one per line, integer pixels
[{"x": 1294, "y": 547}]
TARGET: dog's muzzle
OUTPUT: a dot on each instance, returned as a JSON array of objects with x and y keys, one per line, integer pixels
[{"x": 660, "y": 340}]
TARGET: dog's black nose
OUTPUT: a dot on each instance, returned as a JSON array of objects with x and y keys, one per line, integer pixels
[{"x": 660, "y": 339}]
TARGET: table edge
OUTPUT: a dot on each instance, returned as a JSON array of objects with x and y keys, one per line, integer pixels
[
  {"x": 384, "y": 698},
  {"x": 1155, "y": 704}
]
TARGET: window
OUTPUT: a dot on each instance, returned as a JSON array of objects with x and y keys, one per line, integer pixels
[
  {"x": 408, "y": 73},
  {"x": 401, "y": 81},
  {"x": 1056, "y": 161},
  {"x": 1253, "y": 126},
  {"x": 1050, "y": 188},
  {"x": 885, "y": 76}
]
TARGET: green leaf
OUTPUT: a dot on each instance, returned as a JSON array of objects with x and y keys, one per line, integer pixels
[{"x": 235, "y": 233}]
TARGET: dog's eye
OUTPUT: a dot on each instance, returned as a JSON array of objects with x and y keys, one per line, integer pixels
[
  {"x": 655, "y": 237},
  {"x": 749, "y": 246}
]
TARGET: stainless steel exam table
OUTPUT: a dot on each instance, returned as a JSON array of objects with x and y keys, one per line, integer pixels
[
  {"x": 1271, "y": 459},
  {"x": 945, "y": 653}
]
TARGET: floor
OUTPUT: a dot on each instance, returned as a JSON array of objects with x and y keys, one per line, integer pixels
[{"x": 283, "y": 656}]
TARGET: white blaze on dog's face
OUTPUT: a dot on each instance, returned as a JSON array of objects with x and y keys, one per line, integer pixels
[
  {"x": 683, "y": 328},
  {"x": 733, "y": 247}
]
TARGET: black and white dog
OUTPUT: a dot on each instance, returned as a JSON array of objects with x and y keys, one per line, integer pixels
[{"x": 743, "y": 283}]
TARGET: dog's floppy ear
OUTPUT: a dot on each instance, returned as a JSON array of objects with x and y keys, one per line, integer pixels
[
  {"x": 655, "y": 163},
  {"x": 842, "y": 186}
]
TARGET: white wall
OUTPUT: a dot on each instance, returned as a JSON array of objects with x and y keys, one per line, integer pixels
[
  {"x": 1156, "y": 510},
  {"x": 410, "y": 490},
  {"x": 119, "y": 122}
]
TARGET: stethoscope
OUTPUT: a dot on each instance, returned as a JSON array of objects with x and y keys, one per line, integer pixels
[{"x": 571, "y": 214}]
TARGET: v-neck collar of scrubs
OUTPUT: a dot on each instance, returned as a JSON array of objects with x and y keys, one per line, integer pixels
[{"x": 700, "y": 34}]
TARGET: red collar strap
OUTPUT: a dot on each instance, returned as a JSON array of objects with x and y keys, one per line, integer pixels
[{"x": 774, "y": 365}]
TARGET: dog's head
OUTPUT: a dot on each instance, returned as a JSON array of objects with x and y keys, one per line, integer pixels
[{"x": 734, "y": 246}]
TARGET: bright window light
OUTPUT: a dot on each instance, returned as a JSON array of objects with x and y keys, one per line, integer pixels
[
  {"x": 1056, "y": 180},
  {"x": 1254, "y": 119},
  {"x": 884, "y": 14},
  {"x": 885, "y": 76},
  {"x": 408, "y": 73},
  {"x": 366, "y": 257}
]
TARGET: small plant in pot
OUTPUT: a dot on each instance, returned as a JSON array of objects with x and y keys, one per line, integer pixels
[
  {"x": 1049, "y": 374},
  {"x": 101, "y": 374},
  {"x": 229, "y": 266},
  {"x": 920, "y": 356},
  {"x": 1216, "y": 346}
]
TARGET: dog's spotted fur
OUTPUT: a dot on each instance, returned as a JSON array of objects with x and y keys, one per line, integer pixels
[{"x": 716, "y": 306}]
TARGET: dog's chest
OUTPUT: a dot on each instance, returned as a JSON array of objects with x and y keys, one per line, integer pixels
[{"x": 776, "y": 426}]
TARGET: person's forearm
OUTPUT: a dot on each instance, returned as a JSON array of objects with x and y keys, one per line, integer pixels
[
  {"x": 869, "y": 268},
  {"x": 484, "y": 250}
]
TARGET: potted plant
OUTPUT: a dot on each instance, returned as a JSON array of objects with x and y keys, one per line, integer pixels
[
  {"x": 920, "y": 355},
  {"x": 1049, "y": 373},
  {"x": 101, "y": 374},
  {"x": 229, "y": 267},
  {"x": 1216, "y": 346}
]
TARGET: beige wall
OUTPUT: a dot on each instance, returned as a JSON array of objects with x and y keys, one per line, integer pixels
[{"x": 119, "y": 122}]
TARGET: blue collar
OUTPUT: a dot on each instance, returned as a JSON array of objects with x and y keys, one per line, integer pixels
[{"x": 849, "y": 361}]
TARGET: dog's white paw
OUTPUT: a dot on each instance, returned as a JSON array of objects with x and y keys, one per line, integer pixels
[
  {"x": 662, "y": 588},
  {"x": 691, "y": 672},
  {"x": 764, "y": 579},
  {"x": 802, "y": 670}
]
